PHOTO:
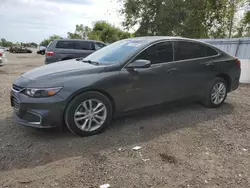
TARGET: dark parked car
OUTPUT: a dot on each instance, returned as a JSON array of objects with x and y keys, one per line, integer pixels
[
  {"x": 41, "y": 50},
  {"x": 65, "y": 49},
  {"x": 19, "y": 49},
  {"x": 133, "y": 73}
]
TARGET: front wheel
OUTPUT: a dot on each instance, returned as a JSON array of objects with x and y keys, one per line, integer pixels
[
  {"x": 217, "y": 93},
  {"x": 88, "y": 114}
]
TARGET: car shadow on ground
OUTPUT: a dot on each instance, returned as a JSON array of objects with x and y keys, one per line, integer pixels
[{"x": 35, "y": 146}]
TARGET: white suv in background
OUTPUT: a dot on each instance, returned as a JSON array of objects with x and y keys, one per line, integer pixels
[{"x": 2, "y": 57}]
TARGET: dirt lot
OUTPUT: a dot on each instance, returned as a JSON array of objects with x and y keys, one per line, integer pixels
[{"x": 185, "y": 146}]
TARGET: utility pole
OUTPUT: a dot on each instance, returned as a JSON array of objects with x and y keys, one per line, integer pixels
[{"x": 232, "y": 2}]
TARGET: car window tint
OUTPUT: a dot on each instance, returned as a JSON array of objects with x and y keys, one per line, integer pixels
[
  {"x": 99, "y": 45},
  {"x": 189, "y": 50},
  {"x": 158, "y": 53},
  {"x": 211, "y": 52},
  {"x": 65, "y": 44},
  {"x": 84, "y": 45}
]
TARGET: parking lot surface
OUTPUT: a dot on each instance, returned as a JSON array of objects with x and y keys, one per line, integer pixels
[{"x": 182, "y": 146}]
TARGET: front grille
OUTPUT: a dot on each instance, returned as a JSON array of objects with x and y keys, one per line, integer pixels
[
  {"x": 17, "y": 88},
  {"x": 15, "y": 103}
]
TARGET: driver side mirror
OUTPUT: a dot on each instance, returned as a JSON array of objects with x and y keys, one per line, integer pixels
[{"x": 140, "y": 63}]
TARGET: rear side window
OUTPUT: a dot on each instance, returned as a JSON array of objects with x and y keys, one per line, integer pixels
[
  {"x": 191, "y": 50},
  {"x": 211, "y": 51},
  {"x": 65, "y": 44},
  {"x": 158, "y": 53},
  {"x": 84, "y": 45}
]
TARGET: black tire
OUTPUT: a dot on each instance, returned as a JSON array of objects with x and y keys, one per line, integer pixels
[
  {"x": 208, "y": 98},
  {"x": 73, "y": 105},
  {"x": 42, "y": 53}
]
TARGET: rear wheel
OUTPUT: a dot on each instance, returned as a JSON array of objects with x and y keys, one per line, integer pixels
[
  {"x": 88, "y": 114},
  {"x": 217, "y": 93}
]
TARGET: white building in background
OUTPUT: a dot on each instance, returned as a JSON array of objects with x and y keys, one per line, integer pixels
[{"x": 238, "y": 47}]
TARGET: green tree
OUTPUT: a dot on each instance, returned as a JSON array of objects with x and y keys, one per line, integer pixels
[
  {"x": 46, "y": 42},
  {"x": 81, "y": 32},
  {"x": 188, "y": 18},
  {"x": 5, "y": 43},
  {"x": 101, "y": 31},
  {"x": 107, "y": 32}
]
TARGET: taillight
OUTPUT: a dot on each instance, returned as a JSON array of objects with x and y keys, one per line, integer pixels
[
  {"x": 238, "y": 63},
  {"x": 1, "y": 54},
  {"x": 49, "y": 53}
]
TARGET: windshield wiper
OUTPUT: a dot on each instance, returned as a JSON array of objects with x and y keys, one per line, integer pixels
[
  {"x": 90, "y": 62},
  {"x": 79, "y": 59}
]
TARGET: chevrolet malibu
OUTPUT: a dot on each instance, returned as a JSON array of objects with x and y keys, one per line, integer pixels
[{"x": 86, "y": 93}]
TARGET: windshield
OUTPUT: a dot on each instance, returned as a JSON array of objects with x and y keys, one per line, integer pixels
[{"x": 116, "y": 52}]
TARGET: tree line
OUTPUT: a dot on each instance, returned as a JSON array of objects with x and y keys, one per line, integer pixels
[
  {"x": 101, "y": 31},
  {"x": 187, "y": 18},
  {"x": 6, "y": 43}
]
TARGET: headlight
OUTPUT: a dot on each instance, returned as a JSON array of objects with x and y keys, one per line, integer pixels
[{"x": 42, "y": 92}]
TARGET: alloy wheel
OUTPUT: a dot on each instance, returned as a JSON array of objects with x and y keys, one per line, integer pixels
[
  {"x": 90, "y": 115},
  {"x": 218, "y": 93}
]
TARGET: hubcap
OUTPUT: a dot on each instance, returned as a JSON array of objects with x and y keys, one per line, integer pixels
[
  {"x": 90, "y": 115},
  {"x": 218, "y": 93}
]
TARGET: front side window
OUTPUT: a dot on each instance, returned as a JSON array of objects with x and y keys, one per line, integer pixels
[{"x": 158, "y": 53}]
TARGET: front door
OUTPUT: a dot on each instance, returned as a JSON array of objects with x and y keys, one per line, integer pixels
[{"x": 150, "y": 86}]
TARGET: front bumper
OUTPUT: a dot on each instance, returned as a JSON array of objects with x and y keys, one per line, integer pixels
[{"x": 37, "y": 112}]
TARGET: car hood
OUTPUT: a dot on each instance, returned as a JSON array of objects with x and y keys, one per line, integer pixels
[{"x": 60, "y": 68}]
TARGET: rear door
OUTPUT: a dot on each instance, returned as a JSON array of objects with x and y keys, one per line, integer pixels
[
  {"x": 195, "y": 65},
  {"x": 84, "y": 48},
  {"x": 65, "y": 49}
]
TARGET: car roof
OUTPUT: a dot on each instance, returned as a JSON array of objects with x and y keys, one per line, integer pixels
[
  {"x": 150, "y": 39},
  {"x": 76, "y": 40}
]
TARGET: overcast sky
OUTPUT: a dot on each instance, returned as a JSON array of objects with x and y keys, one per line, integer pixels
[{"x": 34, "y": 20}]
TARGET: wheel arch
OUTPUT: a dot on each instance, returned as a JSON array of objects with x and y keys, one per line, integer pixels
[
  {"x": 226, "y": 78},
  {"x": 103, "y": 92}
]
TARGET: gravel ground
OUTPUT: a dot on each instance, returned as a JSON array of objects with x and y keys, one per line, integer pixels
[{"x": 182, "y": 146}]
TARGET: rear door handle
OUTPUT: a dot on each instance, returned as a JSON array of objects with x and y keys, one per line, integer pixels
[
  {"x": 172, "y": 70},
  {"x": 209, "y": 64}
]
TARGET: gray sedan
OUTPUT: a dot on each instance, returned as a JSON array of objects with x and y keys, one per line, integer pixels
[{"x": 86, "y": 93}]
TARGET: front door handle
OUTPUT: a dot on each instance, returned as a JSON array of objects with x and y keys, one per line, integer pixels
[{"x": 172, "y": 70}]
